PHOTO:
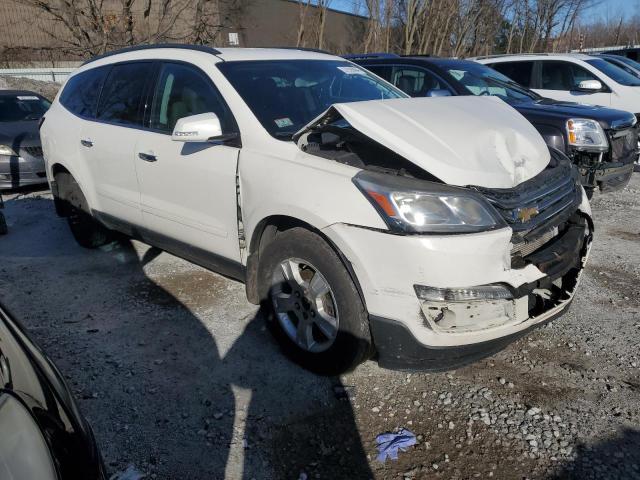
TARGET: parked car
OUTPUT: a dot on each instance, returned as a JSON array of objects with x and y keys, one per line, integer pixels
[
  {"x": 625, "y": 63},
  {"x": 602, "y": 142},
  {"x": 21, "y": 161},
  {"x": 571, "y": 77},
  {"x": 44, "y": 435},
  {"x": 3, "y": 221},
  {"x": 431, "y": 231}
]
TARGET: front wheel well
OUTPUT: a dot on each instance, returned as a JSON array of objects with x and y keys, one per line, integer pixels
[{"x": 264, "y": 233}]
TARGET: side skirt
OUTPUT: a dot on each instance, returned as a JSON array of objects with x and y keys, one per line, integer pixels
[{"x": 210, "y": 261}]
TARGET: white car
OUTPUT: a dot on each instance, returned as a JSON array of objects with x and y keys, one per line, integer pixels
[
  {"x": 571, "y": 77},
  {"x": 428, "y": 232}
]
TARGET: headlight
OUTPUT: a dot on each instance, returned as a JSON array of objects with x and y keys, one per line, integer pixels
[
  {"x": 586, "y": 133},
  {"x": 5, "y": 150},
  {"x": 409, "y": 205}
]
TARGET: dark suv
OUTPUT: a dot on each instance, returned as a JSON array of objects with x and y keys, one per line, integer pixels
[{"x": 601, "y": 141}]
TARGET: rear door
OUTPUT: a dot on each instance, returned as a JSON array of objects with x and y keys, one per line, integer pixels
[
  {"x": 520, "y": 72},
  {"x": 188, "y": 190},
  {"x": 109, "y": 141}
]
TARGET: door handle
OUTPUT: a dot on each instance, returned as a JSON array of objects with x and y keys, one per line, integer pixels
[
  {"x": 86, "y": 143},
  {"x": 147, "y": 157}
]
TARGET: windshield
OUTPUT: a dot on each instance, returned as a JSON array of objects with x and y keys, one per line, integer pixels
[
  {"x": 17, "y": 108},
  {"x": 285, "y": 95},
  {"x": 481, "y": 80},
  {"x": 628, "y": 65},
  {"x": 615, "y": 73}
]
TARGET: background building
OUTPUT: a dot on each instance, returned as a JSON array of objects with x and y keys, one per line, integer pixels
[{"x": 60, "y": 33}]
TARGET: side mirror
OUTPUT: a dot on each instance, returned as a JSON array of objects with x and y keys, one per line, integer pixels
[
  {"x": 438, "y": 92},
  {"x": 204, "y": 127},
  {"x": 590, "y": 86}
]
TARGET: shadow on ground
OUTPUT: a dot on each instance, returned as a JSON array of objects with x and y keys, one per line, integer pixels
[
  {"x": 179, "y": 378},
  {"x": 616, "y": 458}
]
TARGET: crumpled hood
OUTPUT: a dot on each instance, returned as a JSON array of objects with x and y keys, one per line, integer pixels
[{"x": 460, "y": 140}]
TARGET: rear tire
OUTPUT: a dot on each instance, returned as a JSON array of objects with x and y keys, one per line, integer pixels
[
  {"x": 3, "y": 225},
  {"x": 86, "y": 230},
  {"x": 315, "y": 313}
]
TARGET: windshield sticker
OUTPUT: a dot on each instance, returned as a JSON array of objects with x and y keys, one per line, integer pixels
[
  {"x": 283, "y": 122},
  {"x": 351, "y": 70},
  {"x": 27, "y": 97}
]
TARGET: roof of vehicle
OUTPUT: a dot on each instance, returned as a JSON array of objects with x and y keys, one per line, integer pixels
[
  {"x": 225, "y": 54},
  {"x": 533, "y": 56},
  {"x": 13, "y": 93}
]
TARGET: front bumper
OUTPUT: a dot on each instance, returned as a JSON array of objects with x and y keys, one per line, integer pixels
[
  {"x": 609, "y": 171},
  {"x": 411, "y": 333},
  {"x": 20, "y": 171},
  {"x": 608, "y": 176}
]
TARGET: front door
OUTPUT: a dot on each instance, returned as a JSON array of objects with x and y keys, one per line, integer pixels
[
  {"x": 188, "y": 190},
  {"x": 560, "y": 79}
]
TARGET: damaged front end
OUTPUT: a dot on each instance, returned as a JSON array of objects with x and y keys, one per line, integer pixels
[
  {"x": 610, "y": 166},
  {"x": 549, "y": 233},
  {"x": 476, "y": 252}
]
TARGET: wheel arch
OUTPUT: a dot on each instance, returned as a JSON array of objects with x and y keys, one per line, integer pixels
[
  {"x": 61, "y": 188},
  {"x": 264, "y": 233}
]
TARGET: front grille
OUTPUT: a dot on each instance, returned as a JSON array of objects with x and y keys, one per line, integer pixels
[
  {"x": 33, "y": 151},
  {"x": 524, "y": 248},
  {"x": 624, "y": 144},
  {"x": 540, "y": 203}
]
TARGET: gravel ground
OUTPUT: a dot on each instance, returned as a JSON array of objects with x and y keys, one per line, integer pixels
[{"x": 177, "y": 375}]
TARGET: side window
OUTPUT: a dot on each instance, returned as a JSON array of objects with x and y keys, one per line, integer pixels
[
  {"x": 519, "y": 72},
  {"x": 416, "y": 82},
  {"x": 383, "y": 71},
  {"x": 563, "y": 75},
  {"x": 80, "y": 94},
  {"x": 183, "y": 91},
  {"x": 122, "y": 96}
]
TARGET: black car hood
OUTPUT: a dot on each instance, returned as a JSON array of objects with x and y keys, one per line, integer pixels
[
  {"x": 23, "y": 133},
  {"x": 608, "y": 118}
]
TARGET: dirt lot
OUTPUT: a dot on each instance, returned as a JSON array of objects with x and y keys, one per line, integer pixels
[{"x": 177, "y": 375}]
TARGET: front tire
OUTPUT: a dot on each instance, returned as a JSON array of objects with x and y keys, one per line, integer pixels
[{"x": 315, "y": 310}]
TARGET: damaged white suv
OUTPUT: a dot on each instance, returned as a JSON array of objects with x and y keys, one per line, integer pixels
[{"x": 429, "y": 232}]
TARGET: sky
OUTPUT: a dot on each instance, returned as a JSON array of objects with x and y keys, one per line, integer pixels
[
  {"x": 602, "y": 9},
  {"x": 614, "y": 8}
]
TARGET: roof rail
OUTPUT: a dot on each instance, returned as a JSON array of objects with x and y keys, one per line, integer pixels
[
  {"x": 483, "y": 57},
  {"x": 363, "y": 56},
  {"x": 185, "y": 46},
  {"x": 303, "y": 49}
]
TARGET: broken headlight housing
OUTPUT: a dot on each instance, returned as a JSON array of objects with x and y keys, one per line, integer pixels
[
  {"x": 587, "y": 134},
  {"x": 410, "y": 205}
]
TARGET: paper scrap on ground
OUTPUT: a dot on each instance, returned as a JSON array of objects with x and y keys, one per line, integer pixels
[
  {"x": 390, "y": 443},
  {"x": 129, "y": 474}
]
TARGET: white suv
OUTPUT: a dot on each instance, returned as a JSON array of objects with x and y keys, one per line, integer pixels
[
  {"x": 427, "y": 231},
  {"x": 571, "y": 77}
]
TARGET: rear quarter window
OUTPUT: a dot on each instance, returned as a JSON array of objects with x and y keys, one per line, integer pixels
[
  {"x": 81, "y": 93},
  {"x": 519, "y": 72}
]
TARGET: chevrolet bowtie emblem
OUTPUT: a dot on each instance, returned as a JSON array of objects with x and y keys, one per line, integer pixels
[{"x": 527, "y": 213}]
